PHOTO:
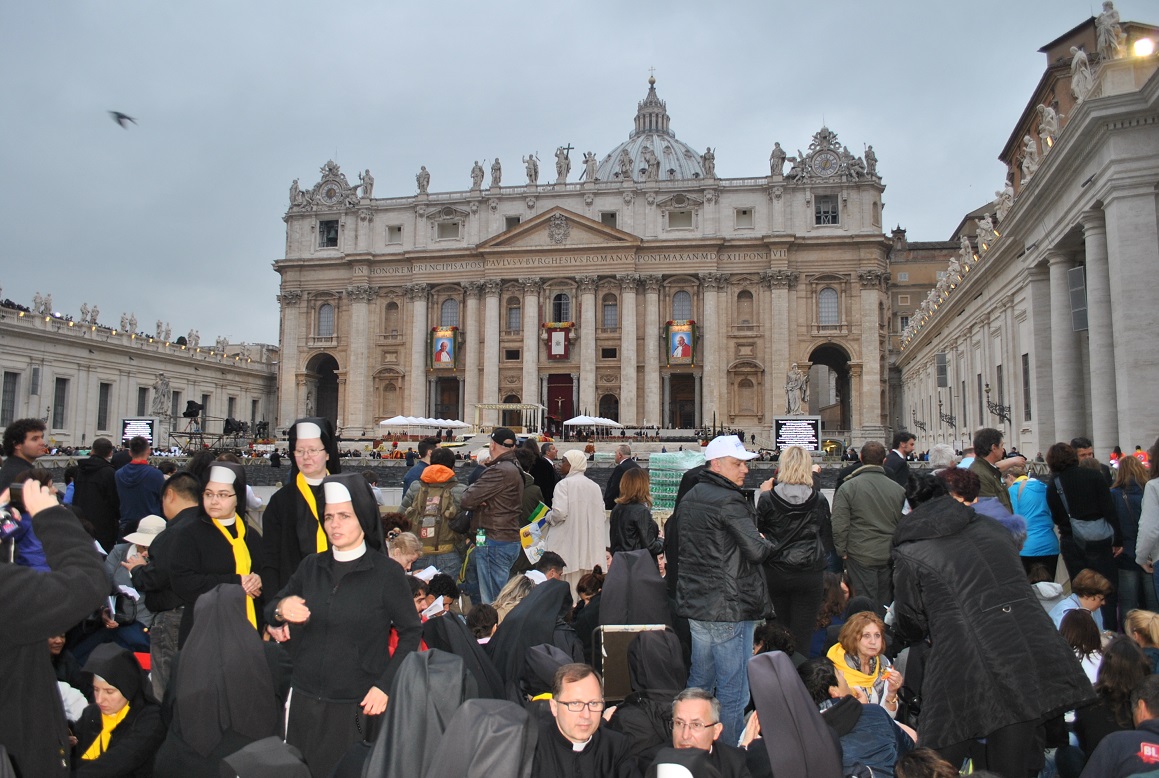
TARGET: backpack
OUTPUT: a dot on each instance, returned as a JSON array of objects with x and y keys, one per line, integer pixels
[{"x": 430, "y": 515}]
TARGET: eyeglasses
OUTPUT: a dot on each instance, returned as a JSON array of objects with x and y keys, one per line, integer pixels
[
  {"x": 217, "y": 496},
  {"x": 595, "y": 706},
  {"x": 309, "y": 452},
  {"x": 695, "y": 727}
]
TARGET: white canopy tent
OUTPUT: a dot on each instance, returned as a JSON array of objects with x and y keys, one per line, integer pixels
[
  {"x": 406, "y": 422},
  {"x": 591, "y": 421}
]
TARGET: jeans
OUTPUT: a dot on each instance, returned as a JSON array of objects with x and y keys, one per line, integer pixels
[
  {"x": 1136, "y": 590},
  {"x": 720, "y": 656},
  {"x": 448, "y": 563},
  {"x": 493, "y": 560}
]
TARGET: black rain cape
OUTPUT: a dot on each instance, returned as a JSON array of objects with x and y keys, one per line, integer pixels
[
  {"x": 634, "y": 592},
  {"x": 530, "y": 623},
  {"x": 448, "y": 633},
  {"x": 427, "y": 690},
  {"x": 798, "y": 740},
  {"x": 487, "y": 739}
]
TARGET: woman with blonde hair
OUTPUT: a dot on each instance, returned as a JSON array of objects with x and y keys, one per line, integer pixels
[
  {"x": 632, "y": 526},
  {"x": 512, "y": 594},
  {"x": 1136, "y": 585},
  {"x": 860, "y": 656},
  {"x": 405, "y": 548},
  {"x": 1143, "y": 628},
  {"x": 793, "y": 516}
]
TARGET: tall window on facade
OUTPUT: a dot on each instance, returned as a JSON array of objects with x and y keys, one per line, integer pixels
[
  {"x": 59, "y": 401},
  {"x": 561, "y": 307},
  {"x": 175, "y": 405},
  {"x": 681, "y": 306},
  {"x": 828, "y": 309},
  {"x": 328, "y": 234},
  {"x": 1026, "y": 387},
  {"x": 825, "y": 209},
  {"x": 744, "y": 307},
  {"x": 611, "y": 312},
  {"x": 142, "y": 400},
  {"x": 391, "y": 319},
  {"x": 514, "y": 315},
  {"x": 449, "y": 313},
  {"x": 104, "y": 392},
  {"x": 231, "y": 407},
  {"x": 326, "y": 320},
  {"x": 8, "y": 398}
]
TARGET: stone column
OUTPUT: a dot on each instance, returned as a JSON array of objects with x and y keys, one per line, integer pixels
[
  {"x": 666, "y": 418},
  {"x": 1042, "y": 399},
  {"x": 1065, "y": 361},
  {"x": 1101, "y": 344},
  {"x": 359, "y": 412},
  {"x": 531, "y": 289},
  {"x": 777, "y": 360},
  {"x": 652, "y": 397},
  {"x": 710, "y": 356},
  {"x": 432, "y": 398},
  {"x": 698, "y": 402},
  {"x": 574, "y": 394},
  {"x": 417, "y": 369},
  {"x": 628, "y": 335},
  {"x": 587, "y": 340},
  {"x": 872, "y": 284},
  {"x": 1132, "y": 218},
  {"x": 856, "y": 402},
  {"x": 491, "y": 329},
  {"x": 292, "y": 314},
  {"x": 469, "y": 396}
]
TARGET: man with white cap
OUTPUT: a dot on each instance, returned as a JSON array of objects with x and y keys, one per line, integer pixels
[
  {"x": 721, "y": 588},
  {"x": 291, "y": 524},
  {"x": 218, "y": 547}
]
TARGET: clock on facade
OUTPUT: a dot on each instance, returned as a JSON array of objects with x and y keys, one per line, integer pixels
[
  {"x": 330, "y": 194},
  {"x": 825, "y": 163}
]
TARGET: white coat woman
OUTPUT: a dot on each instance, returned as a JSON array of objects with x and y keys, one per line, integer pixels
[{"x": 578, "y": 524}]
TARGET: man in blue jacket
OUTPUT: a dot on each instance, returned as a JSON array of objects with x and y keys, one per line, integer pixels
[
  {"x": 139, "y": 486},
  {"x": 1136, "y": 750}
]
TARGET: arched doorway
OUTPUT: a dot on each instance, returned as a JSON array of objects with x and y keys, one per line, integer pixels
[
  {"x": 610, "y": 407},
  {"x": 511, "y": 418},
  {"x": 829, "y": 387},
  {"x": 324, "y": 369}
]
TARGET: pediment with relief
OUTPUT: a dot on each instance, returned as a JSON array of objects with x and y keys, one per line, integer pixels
[{"x": 559, "y": 228}]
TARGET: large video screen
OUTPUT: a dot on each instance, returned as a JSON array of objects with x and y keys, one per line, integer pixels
[{"x": 131, "y": 428}]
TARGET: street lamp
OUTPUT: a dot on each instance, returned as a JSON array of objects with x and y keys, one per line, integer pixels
[
  {"x": 946, "y": 418},
  {"x": 998, "y": 409}
]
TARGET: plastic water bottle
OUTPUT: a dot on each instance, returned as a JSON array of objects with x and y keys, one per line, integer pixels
[{"x": 480, "y": 537}]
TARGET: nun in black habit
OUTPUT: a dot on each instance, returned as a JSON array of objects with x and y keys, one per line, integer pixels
[
  {"x": 292, "y": 521},
  {"x": 487, "y": 739},
  {"x": 795, "y": 739},
  {"x": 119, "y": 734},
  {"x": 337, "y": 611},
  {"x": 657, "y": 673},
  {"x": 538, "y": 618},
  {"x": 218, "y": 547},
  {"x": 227, "y": 689}
]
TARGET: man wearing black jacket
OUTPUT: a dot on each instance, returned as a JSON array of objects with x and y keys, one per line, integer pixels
[
  {"x": 34, "y": 606},
  {"x": 181, "y": 504},
  {"x": 624, "y": 463},
  {"x": 95, "y": 493},
  {"x": 896, "y": 466}
]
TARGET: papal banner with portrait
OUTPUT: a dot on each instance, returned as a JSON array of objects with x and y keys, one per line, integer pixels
[
  {"x": 444, "y": 348},
  {"x": 680, "y": 342}
]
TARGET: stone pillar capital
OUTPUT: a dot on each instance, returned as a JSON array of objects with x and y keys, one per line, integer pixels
[
  {"x": 362, "y": 293},
  {"x": 1093, "y": 221},
  {"x": 290, "y": 297},
  {"x": 416, "y": 291},
  {"x": 492, "y": 287},
  {"x": 531, "y": 286},
  {"x": 628, "y": 281},
  {"x": 587, "y": 284},
  {"x": 1056, "y": 258},
  {"x": 652, "y": 282},
  {"x": 713, "y": 280},
  {"x": 784, "y": 279},
  {"x": 472, "y": 289}
]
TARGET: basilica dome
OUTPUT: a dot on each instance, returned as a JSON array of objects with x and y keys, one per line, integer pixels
[{"x": 652, "y": 136}]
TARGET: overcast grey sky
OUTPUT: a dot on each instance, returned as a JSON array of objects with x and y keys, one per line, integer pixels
[{"x": 179, "y": 217}]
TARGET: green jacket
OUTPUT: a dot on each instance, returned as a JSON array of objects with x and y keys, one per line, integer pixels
[
  {"x": 991, "y": 479},
  {"x": 866, "y": 511}
]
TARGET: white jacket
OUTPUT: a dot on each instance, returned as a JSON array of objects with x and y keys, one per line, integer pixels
[{"x": 578, "y": 523}]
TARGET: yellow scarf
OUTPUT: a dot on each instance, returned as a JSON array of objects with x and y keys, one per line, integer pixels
[
  {"x": 108, "y": 724},
  {"x": 308, "y": 496},
  {"x": 241, "y": 560},
  {"x": 853, "y": 677}
]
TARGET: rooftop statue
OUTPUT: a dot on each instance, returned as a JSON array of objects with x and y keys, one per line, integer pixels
[
  {"x": 777, "y": 160},
  {"x": 476, "y": 176},
  {"x": 423, "y": 179},
  {"x": 1081, "y": 80}
]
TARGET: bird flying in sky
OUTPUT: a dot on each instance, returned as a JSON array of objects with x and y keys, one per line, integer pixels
[{"x": 122, "y": 118}]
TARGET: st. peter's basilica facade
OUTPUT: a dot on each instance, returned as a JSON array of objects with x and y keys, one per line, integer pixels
[{"x": 650, "y": 291}]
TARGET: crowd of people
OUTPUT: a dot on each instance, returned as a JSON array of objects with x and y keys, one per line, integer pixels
[{"x": 917, "y": 624}]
